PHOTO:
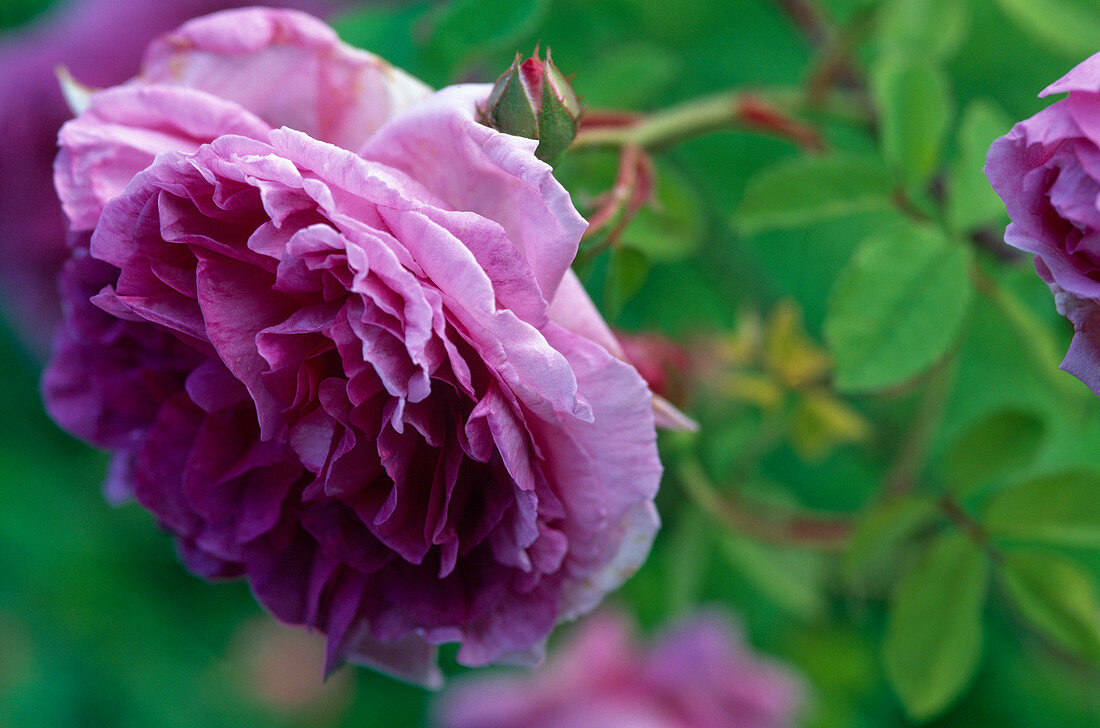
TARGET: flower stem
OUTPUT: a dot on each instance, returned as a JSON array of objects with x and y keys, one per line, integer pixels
[
  {"x": 957, "y": 515},
  {"x": 833, "y": 63},
  {"x": 789, "y": 527},
  {"x": 808, "y": 17},
  {"x": 730, "y": 110}
]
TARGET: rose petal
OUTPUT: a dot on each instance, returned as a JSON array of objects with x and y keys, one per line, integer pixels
[{"x": 286, "y": 67}]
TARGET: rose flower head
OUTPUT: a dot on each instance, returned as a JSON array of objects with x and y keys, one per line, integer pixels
[
  {"x": 324, "y": 320},
  {"x": 699, "y": 675},
  {"x": 1047, "y": 171},
  {"x": 32, "y": 109}
]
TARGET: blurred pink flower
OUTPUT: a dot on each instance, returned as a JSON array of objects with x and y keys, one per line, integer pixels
[
  {"x": 101, "y": 42},
  {"x": 664, "y": 364},
  {"x": 699, "y": 675},
  {"x": 326, "y": 323}
]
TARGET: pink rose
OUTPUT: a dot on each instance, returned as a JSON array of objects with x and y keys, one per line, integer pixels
[
  {"x": 1047, "y": 171},
  {"x": 32, "y": 109},
  {"x": 700, "y": 675},
  {"x": 326, "y": 323}
]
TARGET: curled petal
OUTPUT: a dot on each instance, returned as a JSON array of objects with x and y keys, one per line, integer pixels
[{"x": 286, "y": 67}]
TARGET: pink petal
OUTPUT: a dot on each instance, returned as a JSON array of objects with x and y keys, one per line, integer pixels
[
  {"x": 501, "y": 179},
  {"x": 288, "y": 68}
]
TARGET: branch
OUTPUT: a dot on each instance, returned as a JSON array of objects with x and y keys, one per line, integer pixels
[
  {"x": 903, "y": 477},
  {"x": 730, "y": 110},
  {"x": 809, "y": 19},
  {"x": 808, "y": 529}
]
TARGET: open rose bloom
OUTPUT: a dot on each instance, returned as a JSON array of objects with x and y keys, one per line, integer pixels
[
  {"x": 1047, "y": 171},
  {"x": 700, "y": 675},
  {"x": 83, "y": 35},
  {"x": 326, "y": 324}
]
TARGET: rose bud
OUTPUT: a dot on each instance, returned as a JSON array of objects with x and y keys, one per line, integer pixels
[{"x": 533, "y": 99}]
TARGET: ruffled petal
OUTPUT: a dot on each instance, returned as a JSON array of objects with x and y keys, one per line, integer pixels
[
  {"x": 124, "y": 129},
  {"x": 288, "y": 68},
  {"x": 501, "y": 178}
]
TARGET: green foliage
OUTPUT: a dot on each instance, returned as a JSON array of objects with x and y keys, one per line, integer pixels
[
  {"x": 934, "y": 634},
  {"x": 897, "y": 307},
  {"x": 14, "y": 12},
  {"x": 1056, "y": 510},
  {"x": 629, "y": 77},
  {"x": 882, "y": 531},
  {"x": 913, "y": 99},
  {"x": 386, "y": 31},
  {"x": 930, "y": 29},
  {"x": 687, "y": 551},
  {"x": 1067, "y": 26},
  {"x": 972, "y": 201},
  {"x": 671, "y": 228},
  {"x": 1057, "y": 597},
  {"x": 99, "y": 625},
  {"x": 1003, "y": 442},
  {"x": 806, "y": 190},
  {"x": 790, "y": 578},
  {"x": 625, "y": 277},
  {"x": 465, "y": 30}
]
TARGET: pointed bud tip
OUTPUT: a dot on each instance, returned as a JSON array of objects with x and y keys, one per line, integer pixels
[{"x": 533, "y": 99}]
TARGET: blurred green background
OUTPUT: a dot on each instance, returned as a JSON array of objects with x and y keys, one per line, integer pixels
[{"x": 100, "y": 625}]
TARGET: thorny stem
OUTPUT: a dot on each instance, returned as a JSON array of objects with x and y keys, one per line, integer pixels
[
  {"x": 738, "y": 110},
  {"x": 633, "y": 189},
  {"x": 803, "y": 528}
]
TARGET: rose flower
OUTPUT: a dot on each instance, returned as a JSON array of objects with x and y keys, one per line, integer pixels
[
  {"x": 325, "y": 321},
  {"x": 700, "y": 675},
  {"x": 1047, "y": 171},
  {"x": 32, "y": 109}
]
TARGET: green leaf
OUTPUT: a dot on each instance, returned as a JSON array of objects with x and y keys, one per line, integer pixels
[
  {"x": 1058, "y": 510},
  {"x": 672, "y": 228},
  {"x": 914, "y": 104},
  {"x": 881, "y": 531},
  {"x": 971, "y": 201},
  {"x": 934, "y": 630},
  {"x": 464, "y": 29},
  {"x": 628, "y": 77},
  {"x": 931, "y": 29},
  {"x": 897, "y": 307},
  {"x": 385, "y": 31},
  {"x": 13, "y": 12},
  {"x": 1002, "y": 442},
  {"x": 791, "y": 578},
  {"x": 805, "y": 190},
  {"x": 1068, "y": 26},
  {"x": 625, "y": 277},
  {"x": 1057, "y": 597},
  {"x": 686, "y": 556}
]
